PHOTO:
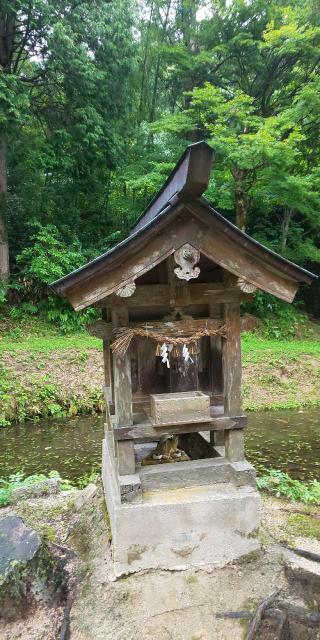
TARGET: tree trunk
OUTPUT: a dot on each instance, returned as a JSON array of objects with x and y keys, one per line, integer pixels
[
  {"x": 241, "y": 198},
  {"x": 144, "y": 68},
  {"x": 4, "y": 245},
  {"x": 288, "y": 213},
  {"x": 157, "y": 71}
]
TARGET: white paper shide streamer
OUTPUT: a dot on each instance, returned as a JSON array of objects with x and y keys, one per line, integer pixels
[
  {"x": 186, "y": 354},
  {"x": 164, "y": 353}
]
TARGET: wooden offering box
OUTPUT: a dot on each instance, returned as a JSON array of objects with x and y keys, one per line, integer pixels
[{"x": 183, "y": 407}]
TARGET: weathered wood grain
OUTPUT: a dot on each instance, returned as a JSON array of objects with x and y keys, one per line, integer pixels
[
  {"x": 106, "y": 362},
  {"x": 215, "y": 311},
  {"x": 145, "y": 431},
  {"x": 123, "y": 396},
  {"x": 122, "y": 374},
  {"x": 144, "y": 255},
  {"x": 183, "y": 294},
  {"x": 216, "y": 379},
  {"x": 234, "y": 443},
  {"x": 125, "y": 456},
  {"x": 182, "y": 218},
  {"x": 243, "y": 259}
]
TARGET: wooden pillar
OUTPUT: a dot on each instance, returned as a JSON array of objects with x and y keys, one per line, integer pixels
[
  {"x": 123, "y": 396},
  {"x": 107, "y": 387},
  {"x": 107, "y": 361},
  {"x": 234, "y": 440},
  {"x": 215, "y": 311}
]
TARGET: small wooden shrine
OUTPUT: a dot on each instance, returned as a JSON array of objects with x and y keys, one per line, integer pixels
[{"x": 170, "y": 296}]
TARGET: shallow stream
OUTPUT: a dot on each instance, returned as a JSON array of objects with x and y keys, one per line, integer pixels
[{"x": 286, "y": 440}]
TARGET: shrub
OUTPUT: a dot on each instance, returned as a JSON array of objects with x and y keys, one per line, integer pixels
[
  {"x": 48, "y": 259},
  {"x": 281, "y": 484},
  {"x": 18, "y": 480},
  {"x": 279, "y": 319}
]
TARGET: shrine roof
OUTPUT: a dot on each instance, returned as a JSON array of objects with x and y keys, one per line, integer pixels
[{"x": 182, "y": 191}]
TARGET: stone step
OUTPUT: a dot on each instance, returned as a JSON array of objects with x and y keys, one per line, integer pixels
[{"x": 185, "y": 474}]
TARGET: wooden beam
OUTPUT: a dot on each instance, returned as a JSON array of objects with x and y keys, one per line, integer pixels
[
  {"x": 245, "y": 259},
  {"x": 232, "y": 360},
  {"x": 123, "y": 396},
  {"x": 234, "y": 443},
  {"x": 126, "y": 460},
  {"x": 122, "y": 374},
  {"x": 172, "y": 286},
  {"x": 145, "y": 431},
  {"x": 215, "y": 310},
  {"x": 107, "y": 363},
  {"x": 162, "y": 295}
]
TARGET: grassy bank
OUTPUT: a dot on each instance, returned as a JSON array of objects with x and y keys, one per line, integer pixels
[
  {"x": 44, "y": 374},
  {"x": 280, "y": 374}
]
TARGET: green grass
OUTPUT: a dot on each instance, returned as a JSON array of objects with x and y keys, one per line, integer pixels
[
  {"x": 303, "y": 525},
  {"x": 256, "y": 349},
  {"x": 45, "y": 344},
  {"x": 278, "y": 405},
  {"x": 42, "y": 398}
]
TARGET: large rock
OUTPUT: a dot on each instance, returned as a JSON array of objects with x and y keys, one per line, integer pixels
[
  {"x": 28, "y": 570},
  {"x": 18, "y": 543}
]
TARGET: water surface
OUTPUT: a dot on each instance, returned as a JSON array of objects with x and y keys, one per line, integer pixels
[{"x": 287, "y": 440}]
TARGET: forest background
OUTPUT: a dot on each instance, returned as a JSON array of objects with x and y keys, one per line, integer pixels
[{"x": 98, "y": 99}]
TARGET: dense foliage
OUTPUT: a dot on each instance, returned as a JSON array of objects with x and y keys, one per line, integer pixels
[
  {"x": 282, "y": 485},
  {"x": 98, "y": 99}
]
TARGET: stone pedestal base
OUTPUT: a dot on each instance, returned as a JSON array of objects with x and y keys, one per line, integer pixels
[{"x": 178, "y": 528}]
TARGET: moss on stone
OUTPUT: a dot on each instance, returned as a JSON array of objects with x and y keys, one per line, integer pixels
[
  {"x": 191, "y": 579},
  {"x": 79, "y": 539},
  {"x": 303, "y": 525},
  {"x": 48, "y": 533}
]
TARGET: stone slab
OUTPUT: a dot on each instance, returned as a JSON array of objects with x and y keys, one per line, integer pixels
[
  {"x": 185, "y": 474},
  {"x": 184, "y": 406},
  {"x": 179, "y": 528},
  {"x": 208, "y": 471},
  {"x": 86, "y": 496}
]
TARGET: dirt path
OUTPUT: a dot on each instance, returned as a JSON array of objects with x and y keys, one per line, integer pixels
[{"x": 189, "y": 605}]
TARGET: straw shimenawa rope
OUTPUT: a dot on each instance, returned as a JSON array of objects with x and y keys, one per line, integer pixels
[{"x": 124, "y": 335}]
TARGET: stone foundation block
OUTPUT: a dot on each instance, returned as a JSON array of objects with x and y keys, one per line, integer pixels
[{"x": 179, "y": 528}]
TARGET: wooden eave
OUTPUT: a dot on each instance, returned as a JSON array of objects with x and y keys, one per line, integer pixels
[
  {"x": 256, "y": 249},
  {"x": 184, "y": 219},
  {"x": 103, "y": 265}
]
